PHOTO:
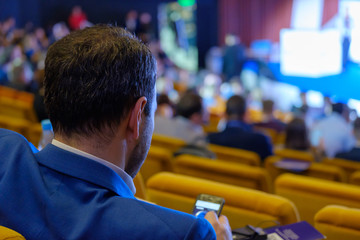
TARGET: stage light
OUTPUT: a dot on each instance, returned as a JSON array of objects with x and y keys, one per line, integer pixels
[{"x": 186, "y": 3}]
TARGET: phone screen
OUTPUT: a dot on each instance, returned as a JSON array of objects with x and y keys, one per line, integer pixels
[{"x": 206, "y": 203}]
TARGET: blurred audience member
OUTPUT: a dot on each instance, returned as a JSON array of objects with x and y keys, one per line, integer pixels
[
  {"x": 353, "y": 154},
  {"x": 234, "y": 57},
  {"x": 269, "y": 120},
  {"x": 297, "y": 135},
  {"x": 132, "y": 21},
  {"x": 145, "y": 31},
  {"x": 59, "y": 30},
  {"x": 334, "y": 134},
  {"x": 238, "y": 134},
  {"x": 187, "y": 124},
  {"x": 77, "y": 19},
  {"x": 300, "y": 111},
  {"x": 164, "y": 107}
]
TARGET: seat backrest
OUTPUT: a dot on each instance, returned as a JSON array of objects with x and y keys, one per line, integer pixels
[
  {"x": 140, "y": 186},
  {"x": 338, "y": 222},
  {"x": 242, "y": 206},
  {"x": 170, "y": 143},
  {"x": 355, "y": 178},
  {"x": 311, "y": 194},
  {"x": 271, "y": 133},
  {"x": 317, "y": 170},
  {"x": 347, "y": 165},
  {"x": 7, "y": 234},
  {"x": 159, "y": 159},
  {"x": 222, "y": 171},
  {"x": 294, "y": 154},
  {"x": 235, "y": 155}
]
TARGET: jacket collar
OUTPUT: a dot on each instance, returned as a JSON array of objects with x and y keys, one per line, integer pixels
[
  {"x": 239, "y": 124},
  {"x": 85, "y": 169}
]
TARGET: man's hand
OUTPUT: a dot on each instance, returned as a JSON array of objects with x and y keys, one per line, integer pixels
[{"x": 221, "y": 226}]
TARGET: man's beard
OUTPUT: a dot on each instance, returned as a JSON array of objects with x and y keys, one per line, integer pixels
[{"x": 139, "y": 153}]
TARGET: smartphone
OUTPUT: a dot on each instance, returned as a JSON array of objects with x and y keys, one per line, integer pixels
[{"x": 205, "y": 203}]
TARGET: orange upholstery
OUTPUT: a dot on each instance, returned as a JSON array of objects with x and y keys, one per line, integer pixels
[
  {"x": 158, "y": 160},
  {"x": 31, "y": 131},
  {"x": 235, "y": 155},
  {"x": 294, "y": 154},
  {"x": 8, "y": 234},
  {"x": 225, "y": 172},
  {"x": 242, "y": 206},
  {"x": 348, "y": 165},
  {"x": 338, "y": 222},
  {"x": 317, "y": 170},
  {"x": 170, "y": 143},
  {"x": 7, "y": 92},
  {"x": 311, "y": 194}
]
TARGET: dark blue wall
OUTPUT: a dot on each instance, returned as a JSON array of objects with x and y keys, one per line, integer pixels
[{"x": 46, "y": 12}]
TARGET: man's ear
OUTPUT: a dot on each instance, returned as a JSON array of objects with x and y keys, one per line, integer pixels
[{"x": 135, "y": 117}]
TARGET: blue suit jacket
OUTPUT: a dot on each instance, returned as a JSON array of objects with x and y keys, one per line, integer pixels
[
  {"x": 240, "y": 135},
  {"x": 55, "y": 194}
]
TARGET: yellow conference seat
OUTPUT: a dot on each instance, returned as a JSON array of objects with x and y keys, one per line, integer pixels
[
  {"x": 17, "y": 109},
  {"x": 348, "y": 165},
  {"x": 338, "y": 222},
  {"x": 242, "y": 206},
  {"x": 225, "y": 172},
  {"x": 317, "y": 170},
  {"x": 7, "y": 92},
  {"x": 9, "y": 234},
  {"x": 158, "y": 160},
  {"x": 294, "y": 154},
  {"x": 15, "y": 124},
  {"x": 355, "y": 178},
  {"x": 235, "y": 155},
  {"x": 269, "y": 132},
  {"x": 33, "y": 133},
  {"x": 170, "y": 143},
  {"x": 311, "y": 194},
  {"x": 140, "y": 186}
]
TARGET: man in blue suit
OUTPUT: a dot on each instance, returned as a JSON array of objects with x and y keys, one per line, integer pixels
[
  {"x": 239, "y": 134},
  {"x": 100, "y": 97}
]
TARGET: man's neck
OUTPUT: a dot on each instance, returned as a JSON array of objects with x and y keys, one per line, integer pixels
[{"x": 111, "y": 152}]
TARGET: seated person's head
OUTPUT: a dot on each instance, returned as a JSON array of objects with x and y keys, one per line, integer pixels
[
  {"x": 236, "y": 108},
  {"x": 296, "y": 135},
  {"x": 268, "y": 107},
  {"x": 97, "y": 81},
  {"x": 341, "y": 109},
  {"x": 190, "y": 106},
  {"x": 164, "y": 106}
]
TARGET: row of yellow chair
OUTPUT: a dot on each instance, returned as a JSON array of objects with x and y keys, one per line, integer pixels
[
  {"x": 242, "y": 206},
  {"x": 32, "y": 131},
  {"x": 311, "y": 196},
  {"x": 17, "y": 113},
  {"x": 332, "y": 169},
  {"x": 17, "y": 104},
  {"x": 255, "y": 177}
]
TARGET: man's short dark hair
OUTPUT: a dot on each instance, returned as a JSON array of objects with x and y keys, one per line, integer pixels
[
  {"x": 339, "y": 108},
  {"x": 236, "y": 106},
  {"x": 94, "y": 76},
  {"x": 189, "y": 104}
]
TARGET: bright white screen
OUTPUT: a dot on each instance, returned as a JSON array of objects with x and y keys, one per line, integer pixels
[{"x": 310, "y": 53}]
